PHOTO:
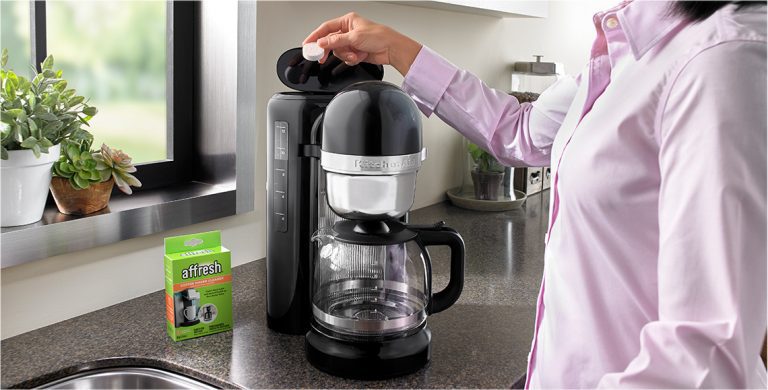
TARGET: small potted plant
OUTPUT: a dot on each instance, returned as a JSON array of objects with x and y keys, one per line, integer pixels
[
  {"x": 83, "y": 178},
  {"x": 36, "y": 116},
  {"x": 487, "y": 173}
]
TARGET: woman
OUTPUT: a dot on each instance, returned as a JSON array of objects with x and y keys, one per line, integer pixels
[{"x": 659, "y": 278}]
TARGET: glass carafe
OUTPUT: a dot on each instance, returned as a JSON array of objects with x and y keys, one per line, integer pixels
[{"x": 379, "y": 285}]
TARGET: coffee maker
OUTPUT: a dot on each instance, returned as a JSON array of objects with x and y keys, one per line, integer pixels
[
  {"x": 293, "y": 178},
  {"x": 185, "y": 306},
  {"x": 342, "y": 164}
]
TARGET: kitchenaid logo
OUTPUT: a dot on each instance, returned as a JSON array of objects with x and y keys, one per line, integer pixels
[
  {"x": 196, "y": 270},
  {"x": 368, "y": 165}
]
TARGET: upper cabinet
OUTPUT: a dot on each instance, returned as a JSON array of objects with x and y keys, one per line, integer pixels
[{"x": 499, "y": 8}]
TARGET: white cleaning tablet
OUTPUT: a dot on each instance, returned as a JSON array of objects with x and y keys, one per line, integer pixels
[{"x": 312, "y": 52}]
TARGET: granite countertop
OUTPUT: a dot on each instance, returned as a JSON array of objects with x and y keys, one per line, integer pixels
[{"x": 482, "y": 341}]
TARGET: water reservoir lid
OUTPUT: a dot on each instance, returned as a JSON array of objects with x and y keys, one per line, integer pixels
[{"x": 299, "y": 74}]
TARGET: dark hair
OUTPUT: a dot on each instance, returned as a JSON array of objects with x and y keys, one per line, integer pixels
[{"x": 697, "y": 11}]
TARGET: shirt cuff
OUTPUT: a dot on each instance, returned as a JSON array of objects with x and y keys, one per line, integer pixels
[{"x": 428, "y": 78}]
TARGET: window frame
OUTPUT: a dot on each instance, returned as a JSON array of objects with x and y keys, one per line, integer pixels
[{"x": 182, "y": 24}]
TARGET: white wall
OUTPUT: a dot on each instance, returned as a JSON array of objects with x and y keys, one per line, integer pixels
[{"x": 32, "y": 294}]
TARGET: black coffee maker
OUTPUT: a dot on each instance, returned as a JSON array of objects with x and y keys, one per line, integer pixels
[
  {"x": 343, "y": 165},
  {"x": 293, "y": 173}
]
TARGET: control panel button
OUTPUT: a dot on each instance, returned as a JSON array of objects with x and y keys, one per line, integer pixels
[
  {"x": 281, "y": 140},
  {"x": 280, "y": 178},
  {"x": 281, "y": 222},
  {"x": 280, "y": 202}
]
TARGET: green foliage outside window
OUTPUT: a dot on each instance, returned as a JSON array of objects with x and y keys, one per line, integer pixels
[{"x": 115, "y": 53}]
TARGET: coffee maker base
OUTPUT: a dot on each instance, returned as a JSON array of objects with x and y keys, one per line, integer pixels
[{"x": 369, "y": 360}]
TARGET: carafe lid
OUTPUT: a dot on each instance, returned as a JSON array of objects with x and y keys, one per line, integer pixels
[
  {"x": 331, "y": 77},
  {"x": 382, "y": 232}
]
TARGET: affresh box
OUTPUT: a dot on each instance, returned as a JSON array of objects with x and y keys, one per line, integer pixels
[{"x": 198, "y": 285}]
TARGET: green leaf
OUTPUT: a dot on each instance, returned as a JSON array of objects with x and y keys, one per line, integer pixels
[
  {"x": 12, "y": 78},
  {"x": 85, "y": 156},
  {"x": 15, "y": 134},
  {"x": 46, "y": 143},
  {"x": 81, "y": 135},
  {"x": 67, "y": 94},
  {"x": 75, "y": 101},
  {"x": 90, "y": 111},
  {"x": 4, "y": 153},
  {"x": 4, "y": 62},
  {"x": 24, "y": 85},
  {"x": 105, "y": 174},
  {"x": 14, "y": 113},
  {"x": 51, "y": 99},
  {"x": 95, "y": 176},
  {"x": 56, "y": 169},
  {"x": 66, "y": 167},
  {"x": 24, "y": 130},
  {"x": 84, "y": 174},
  {"x": 72, "y": 152},
  {"x": 33, "y": 128},
  {"x": 38, "y": 79},
  {"x": 60, "y": 85},
  {"x": 10, "y": 90},
  {"x": 52, "y": 127},
  {"x": 80, "y": 182},
  {"x": 36, "y": 150},
  {"x": 47, "y": 63},
  {"x": 7, "y": 117},
  {"x": 47, "y": 116},
  {"x": 29, "y": 143}
]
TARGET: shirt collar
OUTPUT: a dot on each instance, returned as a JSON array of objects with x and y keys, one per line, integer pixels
[{"x": 646, "y": 23}]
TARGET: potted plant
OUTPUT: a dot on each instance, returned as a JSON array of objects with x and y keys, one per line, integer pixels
[
  {"x": 487, "y": 173},
  {"x": 83, "y": 178},
  {"x": 35, "y": 117}
]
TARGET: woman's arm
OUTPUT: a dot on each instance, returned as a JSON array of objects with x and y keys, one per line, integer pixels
[
  {"x": 517, "y": 134},
  {"x": 712, "y": 225}
]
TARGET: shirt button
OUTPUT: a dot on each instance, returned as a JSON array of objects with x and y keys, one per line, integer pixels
[{"x": 611, "y": 23}]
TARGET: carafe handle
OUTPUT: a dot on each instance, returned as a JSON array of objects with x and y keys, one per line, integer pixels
[{"x": 443, "y": 235}]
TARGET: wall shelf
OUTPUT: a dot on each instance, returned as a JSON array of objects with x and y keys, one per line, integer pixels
[{"x": 498, "y": 8}]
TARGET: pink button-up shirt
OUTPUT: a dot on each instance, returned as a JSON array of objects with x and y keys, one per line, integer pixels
[{"x": 655, "y": 265}]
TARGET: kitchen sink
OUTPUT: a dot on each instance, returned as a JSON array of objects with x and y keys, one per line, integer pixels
[{"x": 127, "y": 378}]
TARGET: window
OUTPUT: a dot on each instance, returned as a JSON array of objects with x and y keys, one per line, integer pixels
[
  {"x": 208, "y": 168},
  {"x": 134, "y": 60},
  {"x": 114, "y": 53},
  {"x": 14, "y": 35}
]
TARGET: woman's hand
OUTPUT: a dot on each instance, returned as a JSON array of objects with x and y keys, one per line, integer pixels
[{"x": 355, "y": 39}]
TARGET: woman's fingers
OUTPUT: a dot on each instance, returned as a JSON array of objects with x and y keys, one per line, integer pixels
[{"x": 337, "y": 41}]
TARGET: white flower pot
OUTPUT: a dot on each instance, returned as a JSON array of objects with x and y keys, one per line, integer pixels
[{"x": 25, "y": 181}]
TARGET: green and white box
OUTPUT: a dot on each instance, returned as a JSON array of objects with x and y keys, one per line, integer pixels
[{"x": 198, "y": 285}]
